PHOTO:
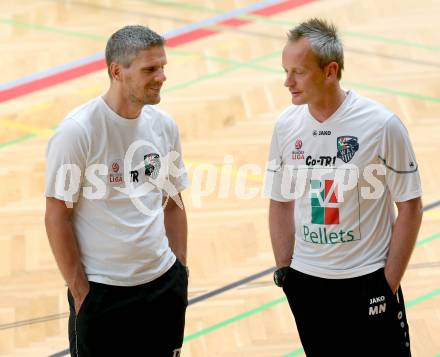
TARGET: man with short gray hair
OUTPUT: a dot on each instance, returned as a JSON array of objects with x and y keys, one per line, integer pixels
[
  {"x": 114, "y": 213},
  {"x": 337, "y": 163}
]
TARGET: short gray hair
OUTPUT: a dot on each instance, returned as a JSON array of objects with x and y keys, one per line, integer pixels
[
  {"x": 124, "y": 45},
  {"x": 324, "y": 40}
]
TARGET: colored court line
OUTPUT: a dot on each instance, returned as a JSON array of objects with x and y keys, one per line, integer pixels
[
  {"x": 392, "y": 91},
  {"x": 297, "y": 352},
  {"x": 17, "y": 140},
  {"x": 12, "y": 124},
  {"x": 222, "y": 72},
  {"x": 45, "y": 28},
  {"x": 230, "y": 286},
  {"x": 428, "y": 239},
  {"x": 422, "y": 298},
  {"x": 174, "y": 38},
  {"x": 391, "y": 41},
  {"x": 431, "y": 205}
]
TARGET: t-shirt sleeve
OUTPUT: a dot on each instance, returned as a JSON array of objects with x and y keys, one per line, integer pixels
[
  {"x": 402, "y": 171},
  {"x": 177, "y": 171},
  {"x": 273, "y": 186},
  {"x": 66, "y": 157}
]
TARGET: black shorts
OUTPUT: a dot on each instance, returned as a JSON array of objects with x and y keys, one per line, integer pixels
[
  {"x": 142, "y": 320},
  {"x": 356, "y": 317}
]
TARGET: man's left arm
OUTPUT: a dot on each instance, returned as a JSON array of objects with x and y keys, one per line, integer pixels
[
  {"x": 176, "y": 228},
  {"x": 403, "y": 239}
]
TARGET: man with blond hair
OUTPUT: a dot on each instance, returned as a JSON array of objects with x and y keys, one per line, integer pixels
[{"x": 338, "y": 161}]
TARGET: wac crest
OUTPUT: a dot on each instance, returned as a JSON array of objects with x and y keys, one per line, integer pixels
[
  {"x": 347, "y": 147},
  {"x": 152, "y": 165}
]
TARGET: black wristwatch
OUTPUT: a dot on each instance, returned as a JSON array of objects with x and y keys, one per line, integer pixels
[{"x": 279, "y": 275}]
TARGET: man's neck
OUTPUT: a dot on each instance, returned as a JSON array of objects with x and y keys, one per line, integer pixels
[
  {"x": 328, "y": 105},
  {"x": 121, "y": 105}
]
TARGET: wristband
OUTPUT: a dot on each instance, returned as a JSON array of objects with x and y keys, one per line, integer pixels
[{"x": 279, "y": 276}]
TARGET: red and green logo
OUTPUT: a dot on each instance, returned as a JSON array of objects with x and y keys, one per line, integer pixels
[{"x": 324, "y": 202}]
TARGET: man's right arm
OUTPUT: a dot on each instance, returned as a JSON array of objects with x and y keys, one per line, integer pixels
[
  {"x": 58, "y": 221},
  {"x": 282, "y": 231}
]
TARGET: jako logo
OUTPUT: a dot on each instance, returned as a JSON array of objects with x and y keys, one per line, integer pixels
[
  {"x": 323, "y": 202},
  {"x": 321, "y": 132}
]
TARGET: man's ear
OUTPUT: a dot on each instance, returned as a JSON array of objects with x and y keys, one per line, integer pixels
[
  {"x": 332, "y": 70},
  {"x": 115, "y": 71}
]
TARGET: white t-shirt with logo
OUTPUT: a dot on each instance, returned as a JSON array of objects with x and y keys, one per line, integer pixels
[
  {"x": 344, "y": 175},
  {"x": 117, "y": 171}
]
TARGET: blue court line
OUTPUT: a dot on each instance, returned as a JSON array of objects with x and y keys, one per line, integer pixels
[{"x": 230, "y": 286}]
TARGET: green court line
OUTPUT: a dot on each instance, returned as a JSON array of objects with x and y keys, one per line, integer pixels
[
  {"x": 250, "y": 64},
  {"x": 235, "y": 319},
  {"x": 422, "y": 298},
  {"x": 297, "y": 352},
  {"x": 428, "y": 239},
  {"x": 222, "y": 72},
  {"x": 390, "y": 41},
  {"x": 57, "y": 30},
  {"x": 392, "y": 91},
  {"x": 17, "y": 140}
]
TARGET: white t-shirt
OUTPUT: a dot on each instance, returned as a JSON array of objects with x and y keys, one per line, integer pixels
[
  {"x": 121, "y": 176},
  {"x": 341, "y": 230}
]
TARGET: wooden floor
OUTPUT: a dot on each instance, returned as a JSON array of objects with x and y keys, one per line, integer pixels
[{"x": 225, "y": 91}]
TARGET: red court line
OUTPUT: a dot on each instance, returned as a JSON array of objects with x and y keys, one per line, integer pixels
[
  {"x": 277, "y": 8},
  {"x": 189, "y": 37},
  {"x": 234, "y": 22},
  {"x": 81, "y": 70}
]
